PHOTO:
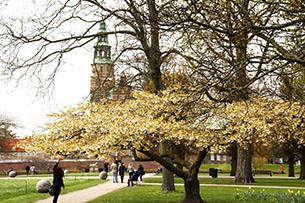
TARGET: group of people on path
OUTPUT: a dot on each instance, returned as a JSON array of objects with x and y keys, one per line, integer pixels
[
  {"x": 115, "y": 168},
  {"x": 32, "y": 169},
  {"x": 119, "y": 169}
]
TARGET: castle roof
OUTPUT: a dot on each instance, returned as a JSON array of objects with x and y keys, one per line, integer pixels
[{"x": 10, "y": 145}]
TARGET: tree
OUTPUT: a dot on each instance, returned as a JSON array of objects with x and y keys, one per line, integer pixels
[
  {"x": 270, "y": 121},
  {"x": 287, "y": 128},
  {"x": 6, "y": 125},
  {"x": 141, "y": 124},
  {"x": 147, "y": 120},
  {"x": 292, "y": 89},
  {"x": 245, "y": 45}
]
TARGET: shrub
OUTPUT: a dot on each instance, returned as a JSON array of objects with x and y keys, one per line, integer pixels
[{"x": 289, "y": 197}]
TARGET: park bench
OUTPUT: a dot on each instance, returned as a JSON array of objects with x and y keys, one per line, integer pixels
[{"x": 262, "y": 172}]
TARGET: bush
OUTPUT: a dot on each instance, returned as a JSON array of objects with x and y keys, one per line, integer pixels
[{"x": 289, "y": 197}]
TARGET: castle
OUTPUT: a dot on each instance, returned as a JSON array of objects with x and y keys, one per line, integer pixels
[{"x": 102, "y": 82}]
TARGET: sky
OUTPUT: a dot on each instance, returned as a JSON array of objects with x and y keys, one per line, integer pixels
[{"x": 72, "y": 86}]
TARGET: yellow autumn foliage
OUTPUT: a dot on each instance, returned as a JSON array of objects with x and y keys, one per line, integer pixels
[{"x": 148, "y": 119}]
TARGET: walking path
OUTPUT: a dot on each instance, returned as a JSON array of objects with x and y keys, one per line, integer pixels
[{"x": 88, "y": 194}]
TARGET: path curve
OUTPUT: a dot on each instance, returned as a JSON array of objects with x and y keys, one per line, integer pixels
[
  {"x": 88, "y": 194},
  {"x": 91, "y": 193}
]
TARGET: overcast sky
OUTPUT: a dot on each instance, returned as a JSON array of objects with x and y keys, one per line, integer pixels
[
  {"x": 72, "y": 84},
  {"x": 72, "y": 87}
]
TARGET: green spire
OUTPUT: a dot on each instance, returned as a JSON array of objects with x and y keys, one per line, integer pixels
[
  {"x": 102, "y": 26},
  {"x": 102, "y": 48}
]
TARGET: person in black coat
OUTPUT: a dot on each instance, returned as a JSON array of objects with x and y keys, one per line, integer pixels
[
  {"x": 106, "y": 164},
  {"x": 141, "y": 172},
  {"x": 27, "y": 169},
  {"x": 122, "y": 170},
  {"x": 58, "y": 182}
]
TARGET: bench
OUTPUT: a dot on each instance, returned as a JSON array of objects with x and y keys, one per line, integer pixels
[{"x": 262, "y": 172}]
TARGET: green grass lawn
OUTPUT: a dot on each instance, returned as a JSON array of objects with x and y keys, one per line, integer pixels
[
  {"x": 152, "y": 194},
  {"x": 229, "y": 181},
  {"x": 23, "y": 189},
  {"x": 271, "y": 167},
  {"x": 211, "y": 194}
]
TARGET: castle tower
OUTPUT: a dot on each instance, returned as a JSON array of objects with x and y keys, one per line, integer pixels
[{"x": 102, "y": 79}]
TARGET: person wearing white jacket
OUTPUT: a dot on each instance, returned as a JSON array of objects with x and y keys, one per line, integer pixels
[{"x": 114, "y": 170}]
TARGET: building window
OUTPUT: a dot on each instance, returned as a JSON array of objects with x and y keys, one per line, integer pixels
[
  {"x": 104, "y": 39},
  {"x": 212, "y": 157},
  {"x": 218, "y": 157}
]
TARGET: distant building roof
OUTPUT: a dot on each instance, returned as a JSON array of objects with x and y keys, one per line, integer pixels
[{"x": 10, "y": 145}]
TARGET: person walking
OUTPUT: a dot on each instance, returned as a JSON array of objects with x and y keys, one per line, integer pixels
[
  {"x": 58, "y": 182},
  {"x": 33, "y": 170},
  {"x": 130, "y": 170},
  {"x": 106, "y": 166},
  {"x": 48, "y": 168},
  {"x": 141, "y": 172},
  {"x": 114, "y": 170},
  {"x": 27, "y": 170},
  {"x": 282, "y": 168},
  {"x": 122, "y": 170}
]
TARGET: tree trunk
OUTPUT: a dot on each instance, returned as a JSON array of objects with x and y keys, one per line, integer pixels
[
  {"x": 192, "y": 190},
  {"x": 291, "y": 165},
  {"x": 180, "y": 151},
  {"x": 233, "y": 166},
  {"x": 302, "y": 172},
  {"x": 244, "y": 168},
  {"x": 233, "y": 152},
  {"x": 191, "y": 183},
  {"x": 168, "y": 183}
]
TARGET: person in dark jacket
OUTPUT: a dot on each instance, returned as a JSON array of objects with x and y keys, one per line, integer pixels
[
  {"x": 58, "y": 182},
  {"x": 122, "y": 170},
  {"x": 106, "y": 164},
  {"x": 141, "y": 172},
  {"x": 27, "y": 169}
]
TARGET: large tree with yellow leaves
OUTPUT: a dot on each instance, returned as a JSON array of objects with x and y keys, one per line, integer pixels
[
  {"x": 287, "y": 127},
  {"x": 147, "y": 120},
  {"x": 142, "y": 124},
  {"x": 266, "y": 121}
]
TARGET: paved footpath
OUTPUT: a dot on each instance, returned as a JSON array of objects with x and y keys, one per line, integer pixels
[
  {"x": 85, "y": 195},
  {"x": 88, "y": 194}
]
